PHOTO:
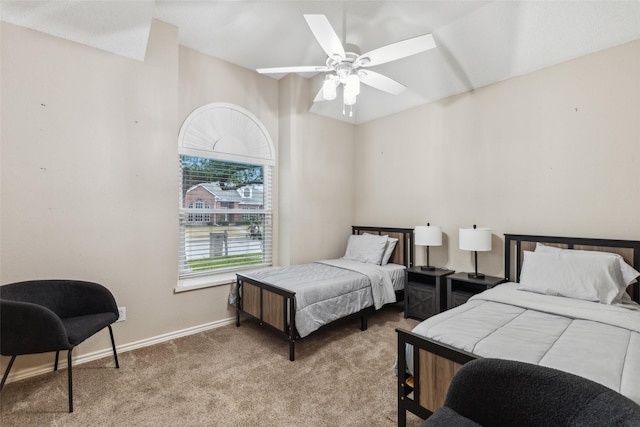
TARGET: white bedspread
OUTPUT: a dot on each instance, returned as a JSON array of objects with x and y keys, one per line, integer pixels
[{"x": 596, "y": 341}]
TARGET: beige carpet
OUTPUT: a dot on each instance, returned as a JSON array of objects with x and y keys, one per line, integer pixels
[{"x": 228, "y": 376}]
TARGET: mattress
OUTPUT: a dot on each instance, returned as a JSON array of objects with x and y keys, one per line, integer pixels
[
  {"x": 332, "y": 289},
  {"x": 596, "y": 341}
]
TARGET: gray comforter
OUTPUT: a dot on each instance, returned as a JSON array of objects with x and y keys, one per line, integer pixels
[
  {"x": 596, "y": 341},
  {"x": 330, "y": 289}
]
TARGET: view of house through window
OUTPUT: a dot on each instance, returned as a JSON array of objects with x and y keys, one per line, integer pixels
[{"x": 225, "y": 215}]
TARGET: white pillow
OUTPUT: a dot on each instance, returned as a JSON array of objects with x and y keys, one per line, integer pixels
[
  {"x": 629, "y": 274},
  {"x": 391, "y": 245},
  {"x": 587, "y": 276},
  {"x": 366, "y": 248}
]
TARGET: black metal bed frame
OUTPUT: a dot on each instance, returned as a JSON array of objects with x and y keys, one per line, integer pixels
[
  {"x": 512, "y": 273},
  {"x": 286, "y": 326}
]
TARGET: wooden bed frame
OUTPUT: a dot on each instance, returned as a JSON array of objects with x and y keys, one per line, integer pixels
[
  {"x": 275, "y": 307},
  {"x": 435, "y": 363}
]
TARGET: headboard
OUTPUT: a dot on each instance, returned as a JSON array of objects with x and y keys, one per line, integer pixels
[
  {"x": 628, "y": 249},
  {"x": 403, "y": 252}
]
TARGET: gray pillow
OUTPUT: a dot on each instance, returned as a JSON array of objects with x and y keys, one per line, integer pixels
[{"x": 367, "y": 248}]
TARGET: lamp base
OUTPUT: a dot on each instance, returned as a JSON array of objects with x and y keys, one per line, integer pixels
[
  {"x": 476, "y": 276},
  {"x": 427, "y": 268}
]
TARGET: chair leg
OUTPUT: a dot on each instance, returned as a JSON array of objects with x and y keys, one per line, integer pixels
[
  {"x": 6, "y": 372},
  {"x": 113, "y": 344},
  {"x": 70, "y": 381},
  {"x": 55, "y": 365}
]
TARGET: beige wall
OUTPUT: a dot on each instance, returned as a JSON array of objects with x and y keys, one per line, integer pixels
[
  {"x": 555, "y": 152},
  {"x": 316, "y": 154},
  {"x": 88, "y": 162}
]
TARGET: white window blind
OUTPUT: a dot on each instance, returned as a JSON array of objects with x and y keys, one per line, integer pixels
[
  {"x": 225, "y": 216},
  {"x": 226, "y": 213}
]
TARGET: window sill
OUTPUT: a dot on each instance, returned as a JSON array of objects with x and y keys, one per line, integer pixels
[{"x": 202, "y": 282}]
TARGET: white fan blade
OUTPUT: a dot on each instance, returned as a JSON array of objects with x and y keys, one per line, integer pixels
[
  {"x": 395, "y": 51},
  {"x": 378, "y": 81},
  {"x": 325, "y": 34},
  {"x": 299, "y": 69}
]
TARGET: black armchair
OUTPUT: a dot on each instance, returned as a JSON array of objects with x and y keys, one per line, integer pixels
[
  {"x": 40, "y": 316},
  {"x": 505, "y": 393}
]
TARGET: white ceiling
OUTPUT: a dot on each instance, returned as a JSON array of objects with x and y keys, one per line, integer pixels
[{"x": 478, "y": 42}]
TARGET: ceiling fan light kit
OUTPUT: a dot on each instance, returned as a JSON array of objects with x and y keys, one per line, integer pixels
[
  {"x": 343, "y": 67},
  {"x": 352, "y": 85},
  {"x": 329, "y": 87}
]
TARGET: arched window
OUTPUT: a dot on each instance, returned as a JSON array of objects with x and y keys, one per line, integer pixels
[{"x": 226, "y": 155}]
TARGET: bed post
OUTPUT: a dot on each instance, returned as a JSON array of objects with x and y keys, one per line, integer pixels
[
  {"x": 518, "y": 259},
  {"x": 238, "y": 285},
  {"x": 292, "y": 328},
  {"x": 636, "y": 263},
  {"x": 364, "y": 319},
  {"x": 400, "y": 375},
  {"x": 507, "y": 257},
  {"x": 409, "y": 262}
]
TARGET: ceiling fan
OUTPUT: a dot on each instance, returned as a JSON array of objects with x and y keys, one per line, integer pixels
[{"x": 345, "y": 65}]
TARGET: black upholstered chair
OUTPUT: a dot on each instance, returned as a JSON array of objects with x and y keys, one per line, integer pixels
[
  {"x": 40, "y": 316},
  {"x": 505, "y": 393}
]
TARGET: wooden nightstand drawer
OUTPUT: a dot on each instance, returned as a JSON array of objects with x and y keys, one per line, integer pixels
[
  {"x": 459, "y": 298},
  {"x": 420, "y": 300},
  {"x": 460, "y": 287},
  {"x": 424, "y": 292}
]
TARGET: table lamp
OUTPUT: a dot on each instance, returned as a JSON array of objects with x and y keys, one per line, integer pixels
[
  {"x": 429, "y": 235},
  {"x": 475, "y": 239}
]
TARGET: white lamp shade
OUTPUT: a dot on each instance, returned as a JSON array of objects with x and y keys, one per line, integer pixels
[
  {"x": 428, "y": 235},
  {"x": 475, "y": 239}
]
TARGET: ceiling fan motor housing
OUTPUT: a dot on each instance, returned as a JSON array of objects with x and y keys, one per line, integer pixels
[{"x": 343, "y": 67}]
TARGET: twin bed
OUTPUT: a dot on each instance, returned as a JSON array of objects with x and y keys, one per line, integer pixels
[
  {"x": 544, "y": 315},
  {"x": 295, "y": 301}
]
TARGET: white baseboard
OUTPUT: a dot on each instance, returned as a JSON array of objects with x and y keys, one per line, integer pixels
[{"x": 108, "y": 352}]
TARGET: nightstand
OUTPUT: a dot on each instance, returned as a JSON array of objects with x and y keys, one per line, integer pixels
[
  {"x": 460, "y": 287},
  {"x": 424, "y": 292}
]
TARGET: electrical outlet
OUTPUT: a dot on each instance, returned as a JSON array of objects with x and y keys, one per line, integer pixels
[{"x": 122, "y": 314}]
